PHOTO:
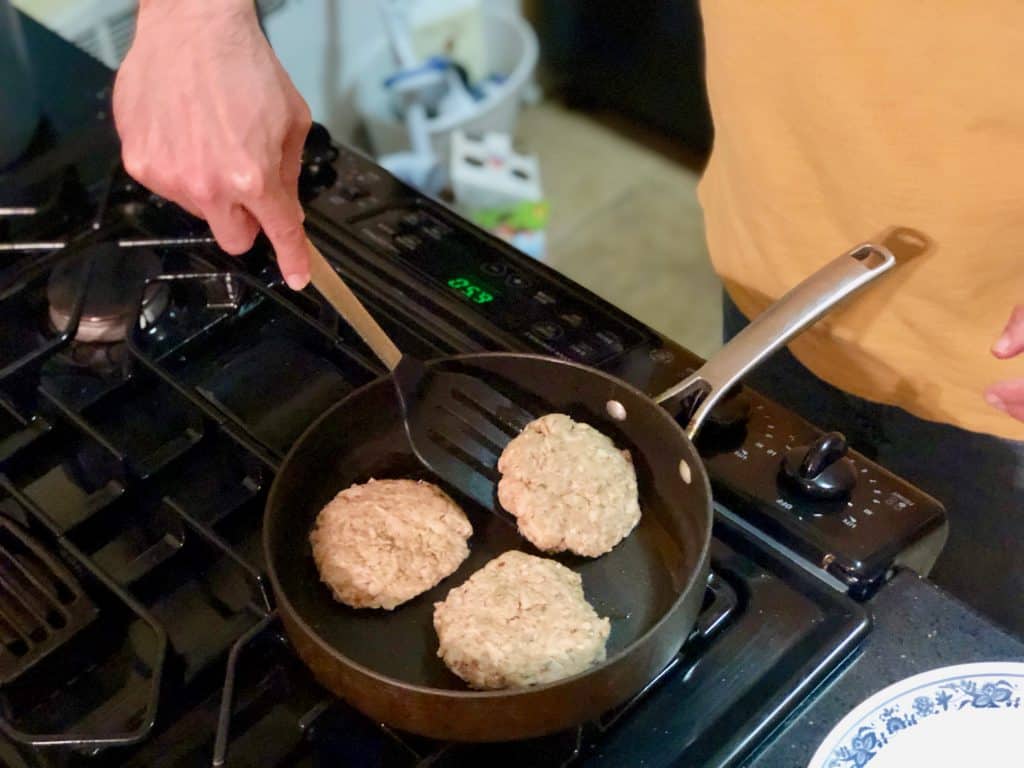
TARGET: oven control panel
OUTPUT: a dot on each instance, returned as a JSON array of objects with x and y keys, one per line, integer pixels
[
  {"x": 492, "y": 282},
  {"x": 546, "y": 316},
  {"x": 797, "y": 485},
  {"x": 857, "y": 529}
]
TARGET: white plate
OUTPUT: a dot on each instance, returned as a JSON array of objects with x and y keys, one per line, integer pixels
[{"x": 958, "y": 716}]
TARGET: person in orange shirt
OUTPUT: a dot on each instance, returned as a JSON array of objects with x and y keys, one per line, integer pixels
[{"x": 835, "y": 123}]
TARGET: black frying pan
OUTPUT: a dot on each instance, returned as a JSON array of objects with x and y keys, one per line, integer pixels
[{"x": 651, "y": 585}]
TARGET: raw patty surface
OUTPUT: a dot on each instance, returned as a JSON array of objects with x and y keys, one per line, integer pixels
[
  {"x": 520, "y": 620},
  {"x": 568, "y": 486},
  {"x": 381, "y": 543}
]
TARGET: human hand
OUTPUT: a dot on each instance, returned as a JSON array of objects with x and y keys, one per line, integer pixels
[
  {"x": 1009, "y": 395},
  {"x": 209, "y": 119}
]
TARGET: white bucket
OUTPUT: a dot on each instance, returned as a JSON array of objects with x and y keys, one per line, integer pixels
[{"x": 512, "y": 52}]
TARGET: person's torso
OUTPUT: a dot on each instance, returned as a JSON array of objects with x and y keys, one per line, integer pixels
[{"x": 837, "y": 121}]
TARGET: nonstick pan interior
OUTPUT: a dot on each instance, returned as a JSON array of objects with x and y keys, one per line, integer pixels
[{"x": 635, "y": 585}]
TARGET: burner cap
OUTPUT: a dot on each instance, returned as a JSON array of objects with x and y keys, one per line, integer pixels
[{"x": 118, "y": 276}]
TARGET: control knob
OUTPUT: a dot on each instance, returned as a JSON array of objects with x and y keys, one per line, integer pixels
[
  {"x": 724, "y": 430},
  {"x": 821, "y": 470},
  {"x": 318, "y": 156},
  {"x": 732, "y": 411}
]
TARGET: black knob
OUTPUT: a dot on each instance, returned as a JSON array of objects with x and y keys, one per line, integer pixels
[
  {"x": 318, "y": 145},
  {"x": 821, "y": 469},
  {"x": 724, "y": 430},
  {"x": 732, "y": 411},
  {"x": 318, "y": 156}
]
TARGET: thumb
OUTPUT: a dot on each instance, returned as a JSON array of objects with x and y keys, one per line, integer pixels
[
  {"x": 281, "y": 217},
  {"x": 1011, "y": 343}
]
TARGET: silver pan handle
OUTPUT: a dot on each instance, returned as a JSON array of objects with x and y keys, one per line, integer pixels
[{"x": 774, "y": 327}]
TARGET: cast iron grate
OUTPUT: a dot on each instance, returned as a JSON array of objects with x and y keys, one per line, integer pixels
[{"x": 41, "y": 602}]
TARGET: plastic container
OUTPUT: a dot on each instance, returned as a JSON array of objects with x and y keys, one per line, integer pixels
[
  {"x": 512, "y": 53},
  {"x": 19, "y": 105}
]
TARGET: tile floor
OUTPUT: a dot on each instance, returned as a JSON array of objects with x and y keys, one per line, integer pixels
[{"x": 625, "y": 222}]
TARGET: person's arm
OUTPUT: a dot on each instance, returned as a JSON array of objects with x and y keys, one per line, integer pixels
[
  {"x": 1009, "y": 395},
  {"x": 209, "y": 119}
]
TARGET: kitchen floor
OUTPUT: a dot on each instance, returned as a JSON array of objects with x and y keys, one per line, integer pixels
[{"x": 625, "y": 222}]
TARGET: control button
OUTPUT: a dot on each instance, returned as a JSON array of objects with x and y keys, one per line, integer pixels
[
  {"x": 409, "y": 242},
  {"x": 425, "y": 223},
  {"x": 512, "y": 321},
  {"x": 610, "y": 340},
  {"x": 544, "y": 298},
  {"x": 572, "y": 319},
  {"x": 435, "y": 230},
  {"x": 494, "y": 269},
  {"x": 372, "y": 235},
  {"x": 410, "y": 222},
  {"x": 351, "y": 192},
  {"x": 897, "y": 501},
  {"x": 821, "y": 470},
  {"x": 547, "y": 330},
  {"x": 515, "y": 280},
  {"x": 582, "y": 351},
  {"x": 661, "y": 356}
]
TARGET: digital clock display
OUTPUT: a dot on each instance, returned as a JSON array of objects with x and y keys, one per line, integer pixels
[{"x": 471, "y": 290}]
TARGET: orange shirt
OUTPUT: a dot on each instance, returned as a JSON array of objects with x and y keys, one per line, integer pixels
[{"x": 835, "y": 121}]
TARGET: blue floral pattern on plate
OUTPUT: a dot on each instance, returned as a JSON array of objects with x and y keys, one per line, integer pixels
[{"x": 976, "y": 686}]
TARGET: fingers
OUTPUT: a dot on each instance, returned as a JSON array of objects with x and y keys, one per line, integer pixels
[
  {"x": 1011, "y": 343},
  {"x": 238, "y": 209},
  {"x": 160, "y": 183},
  {"x": 281, "y": 217},
  {"x": 234, "y": 227},
  {"x": 272, "y": 197},
  {"x": 1007, "y": 396},
  {"x": 188, "y": 205},
  {"x": 291, "y": 151},
  {"x": 239, "y": 192}
]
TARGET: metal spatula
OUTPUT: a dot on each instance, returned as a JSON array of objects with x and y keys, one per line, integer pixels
[{"x": 457, "y": 424}]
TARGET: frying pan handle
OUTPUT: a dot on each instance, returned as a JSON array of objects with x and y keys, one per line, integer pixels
[
  {"x": 774, "y": 327},
  {"x": 340, "y": 296}
]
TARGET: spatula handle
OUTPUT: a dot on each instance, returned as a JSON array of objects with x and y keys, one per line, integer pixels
[{"x": 340, "y": 296}]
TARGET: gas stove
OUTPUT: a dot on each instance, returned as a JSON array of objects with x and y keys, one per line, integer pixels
[{"x": 150, "y": 386}]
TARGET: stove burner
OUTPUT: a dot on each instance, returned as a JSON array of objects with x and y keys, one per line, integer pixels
[
  {"x": 112, "y": 295},
  {"x": 99, "y": 358}
]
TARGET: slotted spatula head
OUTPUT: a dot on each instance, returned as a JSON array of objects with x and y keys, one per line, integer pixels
[{"x": 458, "y": 425}]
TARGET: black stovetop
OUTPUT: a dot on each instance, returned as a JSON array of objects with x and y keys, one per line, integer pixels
[
  {"x": 135, "y": 625},
  {"x": 141, "y": 468}
]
